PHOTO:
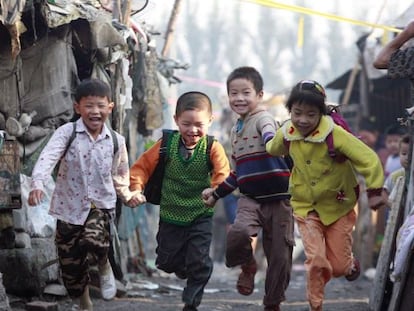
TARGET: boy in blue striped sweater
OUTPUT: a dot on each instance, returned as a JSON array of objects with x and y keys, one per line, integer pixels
[{"x": 263, "y": 183}]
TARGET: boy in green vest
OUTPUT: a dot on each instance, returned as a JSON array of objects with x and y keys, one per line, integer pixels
[{"x": 185, "y": 227}]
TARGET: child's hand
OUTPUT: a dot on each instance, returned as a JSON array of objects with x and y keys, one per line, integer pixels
[
  {"x": 207, "y": 193},
  {"x": 137, "y": 199},
  {"x": 208, "y": 197},
  {"x": 35, "y": 197},
  {"x": 378, "y": 201}
]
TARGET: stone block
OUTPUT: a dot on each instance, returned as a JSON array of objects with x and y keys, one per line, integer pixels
[
  {"x": 23, "y": 240},
  {"x": 55, "y": 290},
  {"x": 24, "y": 270},
  {"x": 19, "y": 219},
  {"x": 4, "y": 300},
  {"x": 42, "y": 306}
]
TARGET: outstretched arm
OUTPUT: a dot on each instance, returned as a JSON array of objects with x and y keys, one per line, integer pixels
[{"x": 383, "y": 58}]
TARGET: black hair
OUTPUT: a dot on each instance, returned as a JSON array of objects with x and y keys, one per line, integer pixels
[
  {"x": 368, "y": 124},
  {"x": 92, "y": 87},
  {"x": 193, "y": 101},
  {"x": 308, "y": 92},
  {"x": 405, "y": 139},
  {"x": 395, "y": 129},
  {"x": 248, "y": 73}
]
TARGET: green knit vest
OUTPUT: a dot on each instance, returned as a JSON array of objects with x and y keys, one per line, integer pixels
[{"x": 184, "y": 180}]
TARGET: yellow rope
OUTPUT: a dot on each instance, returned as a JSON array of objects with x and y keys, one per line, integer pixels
[{"x": 303, "y": 10}]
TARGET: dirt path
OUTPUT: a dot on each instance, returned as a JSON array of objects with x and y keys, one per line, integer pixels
[{"x": 163, "y": 292}]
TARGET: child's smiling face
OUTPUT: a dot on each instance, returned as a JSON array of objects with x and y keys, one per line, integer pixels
[
  {"x": 193, "y": 125},
  {"x": 94, "y": 110},
  {"x": 305, "y": 117},
  {"x": 243, "y": 97}
]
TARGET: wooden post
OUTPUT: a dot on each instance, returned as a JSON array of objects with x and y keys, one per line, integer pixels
[
  {"x": 350, "y": 84},
  {"x": 364, "y": 230},
  {"x": 380, "y": 293},
  {"x": 171, "y": 28}
]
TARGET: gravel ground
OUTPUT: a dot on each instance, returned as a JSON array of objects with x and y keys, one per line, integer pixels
[{"x": 163, "y": 292}]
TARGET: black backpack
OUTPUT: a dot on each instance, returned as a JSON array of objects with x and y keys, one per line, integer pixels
[{"x": 152, "y": 190}]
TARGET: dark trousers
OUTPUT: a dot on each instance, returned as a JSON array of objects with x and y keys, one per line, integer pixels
[
  {"x": 75, "y": 242},
  {"x": 186, "y": 250},
  {"x": 275, "y": 219}
]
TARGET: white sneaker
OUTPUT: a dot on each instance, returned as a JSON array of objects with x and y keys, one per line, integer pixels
[{"x": 107, "y": 283}]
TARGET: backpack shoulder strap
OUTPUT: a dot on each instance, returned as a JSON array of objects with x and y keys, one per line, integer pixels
[
  {"x": 71, "y": 139},
  {"x": 286, "y": 143},
  {"x": 210, "y": 141},
  {"x": 164, "y": 145},
  {"x": 114, "y": 140},
  {"x": 330, "y": 145},
  {"x": 338, "y": 157}
]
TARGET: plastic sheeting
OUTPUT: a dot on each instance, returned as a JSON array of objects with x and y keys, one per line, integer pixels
[{"x": 42, "y": 82}]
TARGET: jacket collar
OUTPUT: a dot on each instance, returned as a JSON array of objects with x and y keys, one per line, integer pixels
[
  {"x": 326, "y": 125},
  {"x": 81, "y": 127},
  {"x": 253, "y": 112}
]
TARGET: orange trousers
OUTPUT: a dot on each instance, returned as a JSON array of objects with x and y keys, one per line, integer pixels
[{"x": 328, "y": 251}]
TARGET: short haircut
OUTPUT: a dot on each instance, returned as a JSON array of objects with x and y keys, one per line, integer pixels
[
  {"x": 308, "y": 92},
  {"x": 92, "y": 87},
  {"x": 395, "y": 129},
  {"x": 193, "y": 101},
  {"x": 405, "y": 139},
  {"x": 248, "y": 73}
]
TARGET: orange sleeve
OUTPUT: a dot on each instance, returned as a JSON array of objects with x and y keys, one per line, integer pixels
[
  {"x": 144, "y": 166},
  {"x": 220, "y": 162}
]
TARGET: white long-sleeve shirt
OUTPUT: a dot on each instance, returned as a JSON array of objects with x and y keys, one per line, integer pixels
[{"x": 89, "y": 173}]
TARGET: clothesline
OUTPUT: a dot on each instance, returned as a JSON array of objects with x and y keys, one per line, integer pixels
[{"x": 303, "y": 10}]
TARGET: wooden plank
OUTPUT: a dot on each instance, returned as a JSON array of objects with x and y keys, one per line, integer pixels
[
  {"x": 364, "y": 234},
  {"x": 403, "y": 291},
  {"x": 382, "y": 284}
]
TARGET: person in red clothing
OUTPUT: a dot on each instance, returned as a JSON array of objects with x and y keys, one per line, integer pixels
[{"x": 185, "y": 227}]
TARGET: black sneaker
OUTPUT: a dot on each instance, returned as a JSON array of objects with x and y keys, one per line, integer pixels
[
  {"x": 189, "y": 308},
  {"x": 356, "y": 271}
]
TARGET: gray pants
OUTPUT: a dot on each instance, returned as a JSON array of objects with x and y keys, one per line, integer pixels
[{"x": 277, "y": 224}]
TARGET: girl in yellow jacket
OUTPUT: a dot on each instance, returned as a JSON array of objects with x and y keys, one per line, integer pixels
[{"x": 324, "y": 189}]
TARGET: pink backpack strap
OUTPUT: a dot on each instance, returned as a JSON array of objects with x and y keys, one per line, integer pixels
[
  {"x": 338, "y": 157},
  {"x": 331, "y": 149},
  {"x": 286, "y": 143}
]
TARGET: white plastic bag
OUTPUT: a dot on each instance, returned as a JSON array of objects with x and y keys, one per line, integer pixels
[{"x": 38, "y": 221}]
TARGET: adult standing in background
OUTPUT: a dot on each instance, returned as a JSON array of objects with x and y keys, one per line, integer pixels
[{"x": 398, "y": 56}]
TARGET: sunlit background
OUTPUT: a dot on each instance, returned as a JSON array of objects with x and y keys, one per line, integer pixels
[{"x": 215, "y": 36}]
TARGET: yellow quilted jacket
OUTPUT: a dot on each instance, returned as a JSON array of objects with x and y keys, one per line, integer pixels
[{"x": 318, "y": 182}]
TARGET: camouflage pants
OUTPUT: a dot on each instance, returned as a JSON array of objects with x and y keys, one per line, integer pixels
[{"x": 75, "y": 242}]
